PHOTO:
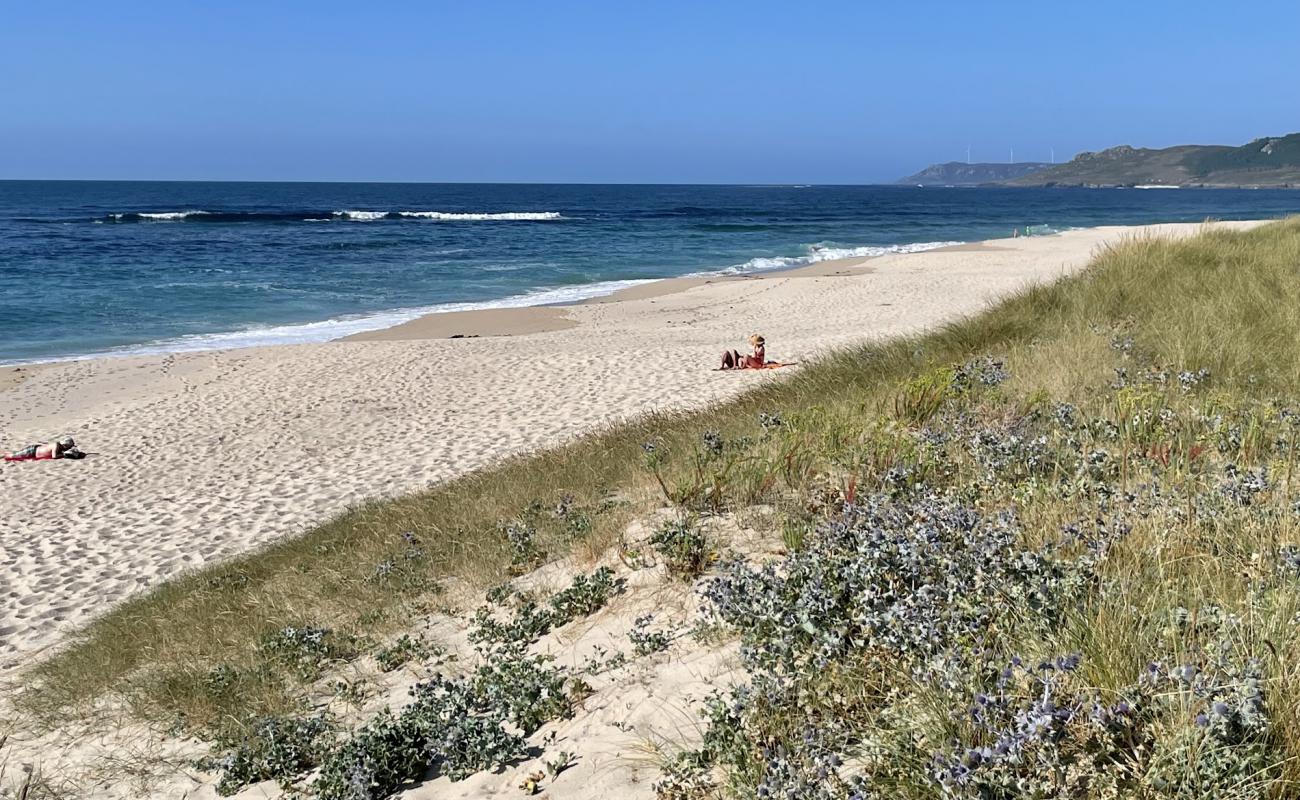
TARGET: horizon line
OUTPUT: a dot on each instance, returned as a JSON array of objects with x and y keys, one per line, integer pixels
[{"x": 442, "y": 182}]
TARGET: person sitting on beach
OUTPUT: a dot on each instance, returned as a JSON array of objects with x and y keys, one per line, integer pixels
[
  {"x": 732, "y": 359},
  {"x": 65, "y": 447}
]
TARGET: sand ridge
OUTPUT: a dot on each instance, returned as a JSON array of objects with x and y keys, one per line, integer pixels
[{"x": 202, "y": 456}]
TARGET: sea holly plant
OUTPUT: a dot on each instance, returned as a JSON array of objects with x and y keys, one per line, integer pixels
[
  {"x": 906, "y": 576},
  {"x": 984, "y": 372},
  {"x": 455, "y": 727},
  {"x": 524, "y": 689},
  {"x": 525, "y": 554},
  {"x": 307, "y": 649},
  {"x": 448, "y": 728},
  {"x": 405, "y": 649},
  {"x": 645, "y": 641},
  {"x": 271, "y": 748},
  {"x": 530, "y": 621},
  {"x": 683, "y": 546},
  {"x": 905, "y": 583},
  {"x": 1198, "y": 728}
]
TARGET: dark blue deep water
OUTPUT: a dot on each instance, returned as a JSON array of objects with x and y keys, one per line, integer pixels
[{"x": 144, "y": 267}]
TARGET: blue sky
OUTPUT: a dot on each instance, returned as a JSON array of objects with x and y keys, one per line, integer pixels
[{"x": 743, "y": 92}]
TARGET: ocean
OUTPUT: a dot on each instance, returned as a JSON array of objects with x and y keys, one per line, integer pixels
[{"x": 95, "y": 268}]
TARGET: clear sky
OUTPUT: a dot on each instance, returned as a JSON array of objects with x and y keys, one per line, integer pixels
[{"x": 733, "y": 92}]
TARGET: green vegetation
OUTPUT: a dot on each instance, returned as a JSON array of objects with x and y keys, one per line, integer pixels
[
  {"x": 1269, "y": 153},
  {"x": 1272, "y": 161},
  {"x": 272, "y": 748},
  {"x": 1051, "y": 551},
  {"x": 455, "y": 726},
  {"x": 405, "y": 649},
  {"x": 529, "y": 621},
  {"x": 683, "y": 547}
]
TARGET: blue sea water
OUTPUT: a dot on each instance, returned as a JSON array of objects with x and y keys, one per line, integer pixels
[{"x": 95, "y": 267}]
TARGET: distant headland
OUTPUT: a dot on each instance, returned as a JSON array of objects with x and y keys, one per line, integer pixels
[
  {"x": 960, "y": 173},
  {"x": 1269, "y": 162}
]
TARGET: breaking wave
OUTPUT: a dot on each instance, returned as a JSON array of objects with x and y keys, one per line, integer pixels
[
  {"x": 349, "y": 215},
  {"x": 507, "y": 216},
  {"x": 823, "y": 252},
  {"x": 340, "y": 327}
]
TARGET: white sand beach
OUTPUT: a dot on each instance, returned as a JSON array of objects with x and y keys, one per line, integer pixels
[{"x": 199, "y": 457}]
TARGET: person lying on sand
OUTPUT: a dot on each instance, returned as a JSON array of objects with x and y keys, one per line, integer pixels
[
  {"x": 63, "y": 448},
  {"x": 732, "y": 359}
]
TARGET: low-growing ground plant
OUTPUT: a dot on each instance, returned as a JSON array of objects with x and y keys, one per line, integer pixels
[
  {"x": 683, "y": 546},
  {"x": 405, "y": 649},
  {"x": 307, "y": 649},
  {"x": 271, "y": 748},
  {"x": 529, "y": 621},
  {"x": 646, "y": 641},
  {"x": 525, "y": 554},
  {"x": 562, "y": 761},
  {"x": 460, "y": 726},
  {"x": 353, "y": 692}
]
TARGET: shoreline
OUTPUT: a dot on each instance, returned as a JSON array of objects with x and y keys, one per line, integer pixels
[
  {"x": 402, "y": 317},
  {"x": 516, "y": 320},
  {"x": 202, "y": 456}
]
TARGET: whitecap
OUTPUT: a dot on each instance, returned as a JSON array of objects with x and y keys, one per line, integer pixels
[
  {"x": 826, "y": 252},
  {"x": 453, "y": 216},
  {"x": 171, "y": 215},
  {"x": 361, "y": 216},
  {"x": 518, "y": 216}
]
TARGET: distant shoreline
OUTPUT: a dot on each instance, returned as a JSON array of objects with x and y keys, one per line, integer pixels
[{"x": 1270, "y": 162}]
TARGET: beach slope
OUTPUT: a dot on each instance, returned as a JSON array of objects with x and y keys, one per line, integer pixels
[{"x": 199, "y": 457}]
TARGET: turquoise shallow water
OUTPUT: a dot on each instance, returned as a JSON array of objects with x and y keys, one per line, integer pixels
[{"x": 95, "y": 267}]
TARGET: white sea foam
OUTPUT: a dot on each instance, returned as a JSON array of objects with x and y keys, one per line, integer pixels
[
  {"x": 451, "y": 216},
  {"x": 361, "y": 216},
  {"x": 331, "y": 329},
  {"x": 353, "y": 215},
  {"x": 824, "y": 252},
  {"x": 162, "y": 216},
  {"x": 168, "y": 215},
  {"x": 504, "y": 215}
]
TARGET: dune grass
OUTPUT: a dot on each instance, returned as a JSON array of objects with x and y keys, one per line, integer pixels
[{"x": 844, "y": 428}]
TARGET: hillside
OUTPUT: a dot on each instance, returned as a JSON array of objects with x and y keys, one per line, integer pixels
[
  {"x": 958, "y": 173},
  {"x": 1266, "y": 162}
]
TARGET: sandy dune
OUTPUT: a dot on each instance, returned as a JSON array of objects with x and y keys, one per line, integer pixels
[{"x": 199, "y": 457}]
